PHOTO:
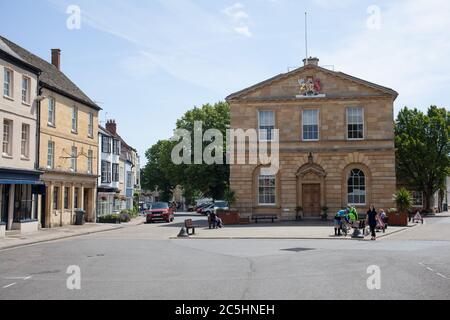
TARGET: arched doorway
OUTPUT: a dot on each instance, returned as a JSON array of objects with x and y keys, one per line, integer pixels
[{"x": 311, "y": 189}]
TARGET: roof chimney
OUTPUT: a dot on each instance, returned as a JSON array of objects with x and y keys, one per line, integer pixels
[
  {"x": 311, "y": 61},
  {"x": 56, "y": 58},
  {"x": 111, "y": 126}
]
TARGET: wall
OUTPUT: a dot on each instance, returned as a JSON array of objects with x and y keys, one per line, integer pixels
[
  {"x": 19, "y": 113},
  {"x": 63, "y": 137}
]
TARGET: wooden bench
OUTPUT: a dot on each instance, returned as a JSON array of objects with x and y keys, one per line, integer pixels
[
  {"x": 188, "y": 224},
  {"x": 272, "y": 217}
]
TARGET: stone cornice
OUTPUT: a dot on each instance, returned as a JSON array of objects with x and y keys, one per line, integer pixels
[{"x": 293, "y": 99}]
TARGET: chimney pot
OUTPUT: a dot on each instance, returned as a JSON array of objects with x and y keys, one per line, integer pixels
[
  {"x": 56, "y": 58},
  {"x": 311, "y": 61},
  {"x": 111, "y": 126}
]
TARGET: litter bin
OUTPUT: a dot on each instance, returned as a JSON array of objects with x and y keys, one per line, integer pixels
[{"x": 79, "y": 217}]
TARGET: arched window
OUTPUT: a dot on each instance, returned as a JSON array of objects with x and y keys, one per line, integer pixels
[{"x": 356, "y": 187}]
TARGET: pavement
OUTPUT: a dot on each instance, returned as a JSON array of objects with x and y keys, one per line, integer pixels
[
  {"x": 317, "y": 230},
  {"x": 141, "y": 262},
  {"x": 14, "y": 239}
]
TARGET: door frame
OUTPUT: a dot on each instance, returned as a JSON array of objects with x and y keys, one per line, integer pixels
[
  {"x": 311, "y": 173},
  {"x": 312, "y": 214},
  {"x": 5, "y": 194}
]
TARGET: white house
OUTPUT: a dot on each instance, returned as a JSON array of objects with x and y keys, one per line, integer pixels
[
  {"x": 108, "y": 181},
  {"x": 19, "y": 178}
]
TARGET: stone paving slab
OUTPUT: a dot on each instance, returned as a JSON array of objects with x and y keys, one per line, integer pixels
[
  {"x": 281, "y": 232},
  {"x": 14, "y": 239}
]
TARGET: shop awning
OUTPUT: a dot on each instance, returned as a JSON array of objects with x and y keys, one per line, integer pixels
[{"x": 32, "y": 182}]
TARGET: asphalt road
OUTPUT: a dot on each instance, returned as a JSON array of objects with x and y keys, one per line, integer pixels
[{"x": 132, "y": 263}]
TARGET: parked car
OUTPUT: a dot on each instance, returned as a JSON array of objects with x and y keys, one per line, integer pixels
[
  {"x": 217, "y": 205},
  {"x": 160, "y": 211},
  {"x": 207, "y": 210},
  {"x": 202, "y": 206}
]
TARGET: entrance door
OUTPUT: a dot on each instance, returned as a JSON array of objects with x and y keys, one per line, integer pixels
[
  {"x": 311, "y": 200},
  {"x": 4, "y": 202},
  {"x": 86, "y": 206}
]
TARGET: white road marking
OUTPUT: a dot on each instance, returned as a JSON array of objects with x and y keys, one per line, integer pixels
[
  {"x": 18, "y": 278},
  {"x": 430, "y": 269},
  {"x": 9, "y": 285},
  {"x": 441, "y": 275}
]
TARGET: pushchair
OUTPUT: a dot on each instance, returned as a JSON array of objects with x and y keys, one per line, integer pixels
[{"x": 381, "y": 224}]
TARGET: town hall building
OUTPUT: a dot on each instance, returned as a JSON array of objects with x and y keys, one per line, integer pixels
[{"x": 336, "y": 140}]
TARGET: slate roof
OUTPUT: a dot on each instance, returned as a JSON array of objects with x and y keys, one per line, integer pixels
[{"x": 51, "y": 78}]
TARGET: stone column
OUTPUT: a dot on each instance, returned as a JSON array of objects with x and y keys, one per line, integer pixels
[
  {"x": 94, "y": 204},
  {"x": 63, "y": 191},
  {"x": 72, "y": 203},
  {"x": 51, "y": 209},
  {"x": 12, "y": 192},
  {"x": 81, "y": 197}
]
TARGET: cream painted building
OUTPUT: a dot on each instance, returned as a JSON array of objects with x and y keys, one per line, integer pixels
[
  {"x": 68, "y": 143},
  {"x": 336, "y": 137},
  {"x": 18, "y": 124}
]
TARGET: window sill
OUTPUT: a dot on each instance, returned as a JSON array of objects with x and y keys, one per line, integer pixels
[
  {"x": 8, "y": 98},
  {"x": 28, "y": 104},
  {"x": 7, "y": 156},
  {"x": 310, "y": 140},
  {"x": 355, "y": 139},
  {"x": 25, "y": 158},
  {"x": 74, "y": 132},
  {"x": 51, "y": 125}
]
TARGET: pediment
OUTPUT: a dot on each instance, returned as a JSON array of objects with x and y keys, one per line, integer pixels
[
  {"x": 311, "y": 170},
  {"x": 319, "y": 82}
]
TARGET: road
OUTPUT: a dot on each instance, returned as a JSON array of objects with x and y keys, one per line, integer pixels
[{"x": 137, "y": 263}]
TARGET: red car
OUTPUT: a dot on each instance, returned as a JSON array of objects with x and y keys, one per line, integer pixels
[{"x": 160, "y": 211}]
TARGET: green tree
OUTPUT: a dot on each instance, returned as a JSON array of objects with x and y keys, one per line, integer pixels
[
  {"x": 158, "y": 173},
  {"x": 422, "y": 143},
  {"x": 211, "y": 180},
  {"x": 195, "y": 179}
]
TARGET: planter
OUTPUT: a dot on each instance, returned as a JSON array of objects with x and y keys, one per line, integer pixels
[
  {"x": 398, "y": 219},
  {"x": 229, "y": 217},
  {"x": 2, "y": 230},
  {"x": 26, "y": 226}
]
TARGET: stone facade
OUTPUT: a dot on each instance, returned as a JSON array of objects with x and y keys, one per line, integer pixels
[
  {"x": 18, "y": 125},
  {"x": 315, "y": 173},
  {"x": 80, "y": 184}
]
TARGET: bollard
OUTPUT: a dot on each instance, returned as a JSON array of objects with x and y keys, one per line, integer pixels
[
  {"x": 183, "y": 233},
  {"x": 357, "y": 234}
]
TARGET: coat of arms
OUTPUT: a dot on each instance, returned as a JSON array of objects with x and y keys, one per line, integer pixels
[{"x": 310, "y": 86}]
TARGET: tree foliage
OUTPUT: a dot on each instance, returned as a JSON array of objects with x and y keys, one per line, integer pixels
[
  {"x": 195, "y": 179},
  {"x": 422, "y": 143}
]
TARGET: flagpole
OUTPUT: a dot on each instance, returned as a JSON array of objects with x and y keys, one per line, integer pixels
[{"x": 306, "y": 36}]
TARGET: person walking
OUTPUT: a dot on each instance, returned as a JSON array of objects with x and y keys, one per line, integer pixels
[{"x": 371, "y": 220}]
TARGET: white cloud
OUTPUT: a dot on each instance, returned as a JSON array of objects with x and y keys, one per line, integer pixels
[
  {"x": 239, "y": 18},
  {"x": 409, "y": 52}
]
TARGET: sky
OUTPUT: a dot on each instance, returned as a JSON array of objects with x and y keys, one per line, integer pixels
[{"x": 146, "y": 62}]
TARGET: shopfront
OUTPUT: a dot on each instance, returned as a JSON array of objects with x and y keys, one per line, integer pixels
[{"x": 18, "y": 199}]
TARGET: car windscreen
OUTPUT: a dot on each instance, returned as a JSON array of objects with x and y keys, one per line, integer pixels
[
  {"x": 160, "y": 205},
  {"x": 221, "y": 204}
]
